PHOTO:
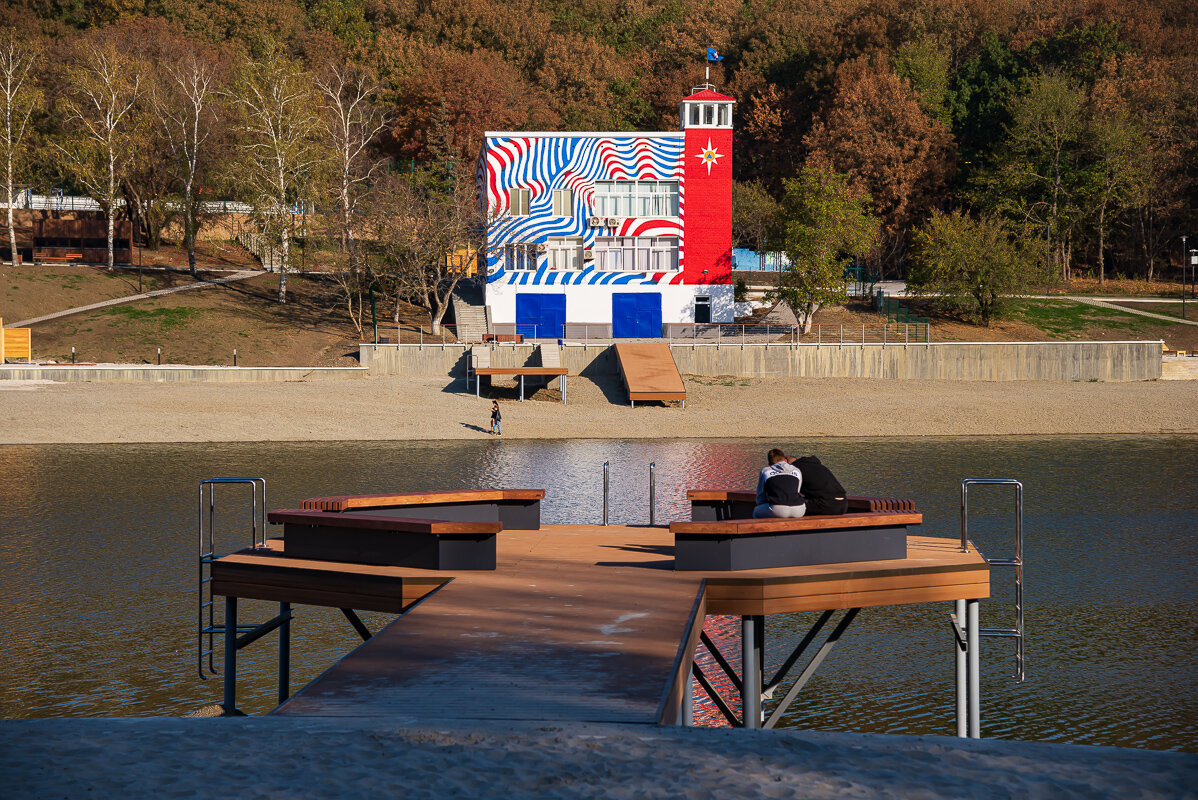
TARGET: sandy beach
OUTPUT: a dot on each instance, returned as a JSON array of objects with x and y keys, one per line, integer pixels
[
  {"x": 275, "y": 757},
  {"x": 401, "y": 408}
]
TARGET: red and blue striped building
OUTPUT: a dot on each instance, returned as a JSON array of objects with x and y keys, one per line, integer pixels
[{"x": 627, "y": 230}]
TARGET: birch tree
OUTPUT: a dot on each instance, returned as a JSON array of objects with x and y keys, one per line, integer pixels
[
  {"x": 280, "y": 143},
  {"x": 103, "y": 87},
  {"x": 20, "y": 97},
  {"x": 351, "y": 124},
  {"x": 184, "y": 103}
]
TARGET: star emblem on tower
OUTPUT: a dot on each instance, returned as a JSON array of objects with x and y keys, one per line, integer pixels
[{"x": 709, "y": 156}]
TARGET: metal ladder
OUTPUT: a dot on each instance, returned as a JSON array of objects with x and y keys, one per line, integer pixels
[
  {"x": 207, "y": 627},
  {"x": 965, "y": 621}
]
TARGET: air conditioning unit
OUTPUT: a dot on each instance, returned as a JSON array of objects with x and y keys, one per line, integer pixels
[
  {"x": 612, "y": 222},
  {"x": 542, "y": 247},
  {"x": 588, "y": 255},
  {"x": 596, "y": 222}
]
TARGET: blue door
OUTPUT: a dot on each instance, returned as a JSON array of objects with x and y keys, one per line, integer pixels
[
  {"x": 540, "y": 316},
  {"x": 636, "y": 315}
]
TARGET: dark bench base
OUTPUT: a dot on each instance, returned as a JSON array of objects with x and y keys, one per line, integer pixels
[
  {"x": 444, "y": 551},
  {"x": 788, "y": 549}
]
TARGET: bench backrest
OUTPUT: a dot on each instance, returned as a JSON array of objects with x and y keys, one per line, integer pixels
[
  {"x": 740, "y": 527},
  {"x": 321, "y": 519},
  {"x": 398, "y": 499},
  {"x": 856, "y": 503}
]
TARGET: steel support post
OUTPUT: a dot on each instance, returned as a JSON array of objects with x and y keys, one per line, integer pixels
[
  {"x": 521, "y": 388},
  {"x": 750, "y": 671},
  {"x": 563, "y": 390},
  {"x": 960, "y": 647},
  {"x": 688, "y": 702},
  {"x": 975, "y": 682},
  {"x": 285, "y": 653},
  {"x": 230, "y": 702}
]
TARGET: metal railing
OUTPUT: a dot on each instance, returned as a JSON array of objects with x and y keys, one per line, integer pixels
[{"x": 206, "y": 625}]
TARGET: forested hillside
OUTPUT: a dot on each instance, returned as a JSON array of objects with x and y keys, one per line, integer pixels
[{"x": 1072, "y": 121}]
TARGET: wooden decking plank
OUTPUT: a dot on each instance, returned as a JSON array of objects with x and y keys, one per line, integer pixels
[{"x": 545, "y": 639}]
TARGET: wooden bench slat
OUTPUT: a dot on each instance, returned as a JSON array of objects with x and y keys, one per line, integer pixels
[
  {"x": 346, "y": 502},
  {"x": 856, "y": 503},
  {"x": 521, "y": 370},
  {"x": 295, "y": 516},
  {"x": 739, "y": 527}
]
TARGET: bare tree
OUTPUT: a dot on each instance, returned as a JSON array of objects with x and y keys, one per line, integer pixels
[
  {"x": 185, "y": 106},
  {"x": 104, "y": 86},
  {"x": 20, "y": 97},
  {"x": 352, "y": 123},
  {"x": 419, "y": 226},
  {"x": 279, "y": 142}
]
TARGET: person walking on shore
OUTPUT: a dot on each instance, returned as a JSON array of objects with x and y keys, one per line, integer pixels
[{"x": 495, "y": 418}]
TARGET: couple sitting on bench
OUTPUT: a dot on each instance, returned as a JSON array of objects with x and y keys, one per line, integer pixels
[{"x": 791, "y": 487}]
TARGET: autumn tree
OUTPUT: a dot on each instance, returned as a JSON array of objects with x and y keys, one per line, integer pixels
[
  {"x": 280, "y": 143},
  {"x": 103, "y": 129},
  {"x": 351, "y": 124},
  {"x": 20, "y": 96},
  {"x": 824, "y": 224},
  {"x": 1117, "y": 176},
  {"x": 185, "y": 101},
  {"x": 875, "y": 131},
  {"x": 968, "y": 267},
  {"x": 1038, "y": 175},
  {"x": 418, "y": 224}
]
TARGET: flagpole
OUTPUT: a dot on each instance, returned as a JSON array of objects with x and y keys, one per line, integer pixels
[{"x": 707, "y": 73}]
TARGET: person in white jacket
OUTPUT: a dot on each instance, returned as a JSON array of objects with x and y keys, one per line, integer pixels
[{"x": 779, "y": 487}]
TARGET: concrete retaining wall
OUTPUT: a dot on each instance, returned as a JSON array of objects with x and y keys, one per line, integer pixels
[
  {"x": 991, "y": 361},
  {"x": 125, "y": 373}
]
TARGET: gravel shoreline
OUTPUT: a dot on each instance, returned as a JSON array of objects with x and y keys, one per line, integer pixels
[
  {"x": 400, "y": 408},
  {"x": 298, "y": 758}
]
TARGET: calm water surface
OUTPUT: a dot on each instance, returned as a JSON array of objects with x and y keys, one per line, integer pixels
[{"x": 98, "y": 571}]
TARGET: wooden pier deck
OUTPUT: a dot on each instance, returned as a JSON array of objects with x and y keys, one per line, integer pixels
[
  {"x": 649, "y": 372},
  {"x": 577, "y": 623}
]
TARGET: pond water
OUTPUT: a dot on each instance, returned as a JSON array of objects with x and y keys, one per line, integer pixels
[{"x": 98, "y": 571}]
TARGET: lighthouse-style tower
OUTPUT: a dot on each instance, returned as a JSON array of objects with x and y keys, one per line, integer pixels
[{"x": 706, "y": 118}]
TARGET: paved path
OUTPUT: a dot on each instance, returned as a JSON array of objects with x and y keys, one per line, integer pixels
[
  {"x": 1092, "y": 301},
  {"x": 116, "y": 301}
]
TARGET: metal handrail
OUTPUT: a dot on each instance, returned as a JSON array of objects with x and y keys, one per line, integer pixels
[
  {"x": 1016, "y": 632},
  {"x": 206, "y": 609}
]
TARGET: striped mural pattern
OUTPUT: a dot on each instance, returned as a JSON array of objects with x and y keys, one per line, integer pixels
[{"x": 541, "y": 164}]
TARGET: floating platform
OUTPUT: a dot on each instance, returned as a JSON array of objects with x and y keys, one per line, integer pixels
[
  {"x": 577, "y": 623},
  {"x": 649, "y": 372}
]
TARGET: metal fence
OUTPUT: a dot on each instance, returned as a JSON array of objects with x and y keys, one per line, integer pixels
[
  {"x": 56, "y": 201},
  {"x": 696, "y": 335}
]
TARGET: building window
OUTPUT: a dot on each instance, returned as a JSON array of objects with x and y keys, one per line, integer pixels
[
  {"x": 708, "y": 114},
  {"x": 518, "y": 202},
  {"x": 636, "y": 198},
  {"x": 565, "y": 252},
  {"x": 636, "y": 253},
  {"x": 520, "y": 256},
  {"x": 563, "y": 203},
  {"x": 694, "y": 113},
  {"x": 725, "y": 110}
]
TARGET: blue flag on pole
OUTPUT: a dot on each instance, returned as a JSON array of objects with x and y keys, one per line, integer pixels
[{"x": 712, "y": 55}]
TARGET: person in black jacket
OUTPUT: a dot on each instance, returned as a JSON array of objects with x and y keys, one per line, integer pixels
[
  {"x": 778, "y": 488},
  {"x": 821, "y": 491}
]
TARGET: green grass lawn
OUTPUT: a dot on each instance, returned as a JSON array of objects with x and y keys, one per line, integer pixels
[{"x": 1066, "y": 319}]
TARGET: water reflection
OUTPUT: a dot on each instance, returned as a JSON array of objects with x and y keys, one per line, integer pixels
[{"x": 97, "y": 570}]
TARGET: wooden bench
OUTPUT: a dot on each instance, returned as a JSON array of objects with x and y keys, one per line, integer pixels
[
  {"x": 387, "y": 540},
  {"x": 549, "y": 372},
  {"x": 43, "y": 255},
  {"x": 736, "y": 544},
  {"x": 516, "y": 509},
  {"x": 513, "y": 338},
  {"x": 719, "y": 504}
]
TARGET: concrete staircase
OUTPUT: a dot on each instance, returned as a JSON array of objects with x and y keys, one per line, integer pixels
[
  {"x": 470, "y": 316},
  {"x": 551, "y": 355}
]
